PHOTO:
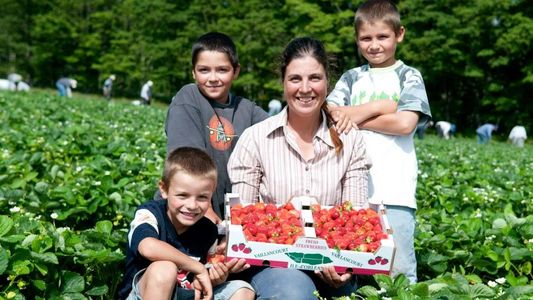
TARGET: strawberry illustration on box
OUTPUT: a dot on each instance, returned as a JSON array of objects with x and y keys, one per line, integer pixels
[{"x": 306, "y": 236}]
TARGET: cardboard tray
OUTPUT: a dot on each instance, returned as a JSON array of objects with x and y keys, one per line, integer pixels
[{"x": 308, "y": 252}]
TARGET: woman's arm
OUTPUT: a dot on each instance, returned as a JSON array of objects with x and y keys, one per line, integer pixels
[
  {"x": 355, "y": 181},
  {"x": 244, "y": 168}
]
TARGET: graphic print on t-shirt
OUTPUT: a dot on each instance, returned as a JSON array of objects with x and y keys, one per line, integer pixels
[{"x": 221, "y": 133}]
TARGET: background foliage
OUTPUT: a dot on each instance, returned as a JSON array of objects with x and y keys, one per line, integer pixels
[{"x": 475, "y": 55}]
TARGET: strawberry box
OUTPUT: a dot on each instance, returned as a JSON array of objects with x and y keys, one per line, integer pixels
[{"x": 312, "y": 241}]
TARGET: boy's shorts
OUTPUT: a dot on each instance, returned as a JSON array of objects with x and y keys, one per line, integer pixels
[{"x": 222, "y": 291}]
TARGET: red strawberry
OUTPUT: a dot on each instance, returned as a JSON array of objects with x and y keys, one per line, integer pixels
[
  {"x": 235, "y": 248},
  {"x": 242, "y": 246},
  {"x": 247, "y": 250},
  {"x": 378, "y": 258},
  {"x": 384, "y": 261},
  {"x": 371, "y": 262}
]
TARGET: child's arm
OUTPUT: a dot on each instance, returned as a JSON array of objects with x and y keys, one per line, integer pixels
[
  {"x": 156, "y": 250},
  {"x": 360, "y": 113},
  {"x": 399, "y": 123}
]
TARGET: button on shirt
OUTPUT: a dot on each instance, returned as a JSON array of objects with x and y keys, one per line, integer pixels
[{"x": 267, "y": 163}]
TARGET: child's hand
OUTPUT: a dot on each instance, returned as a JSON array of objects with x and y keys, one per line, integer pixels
[
  {"x": 342, "y": 121},
  {"x": 203, "y": 289}
]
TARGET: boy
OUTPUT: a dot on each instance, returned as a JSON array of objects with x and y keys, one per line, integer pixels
[
  {"x": 388, "y": 131},
  {"x": 169, "y": 239},
  {"x": 206, "y": 115}
]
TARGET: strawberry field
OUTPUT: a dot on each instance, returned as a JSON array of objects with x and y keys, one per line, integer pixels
[{"x": 72, "y": 171}]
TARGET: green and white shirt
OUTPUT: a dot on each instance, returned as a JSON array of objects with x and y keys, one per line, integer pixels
[{"x": 394, "y": 169}]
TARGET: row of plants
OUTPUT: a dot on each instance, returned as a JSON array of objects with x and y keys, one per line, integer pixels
[{"x": 73, "y": 170}]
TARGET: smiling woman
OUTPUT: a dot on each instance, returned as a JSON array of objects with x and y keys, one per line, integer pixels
[{"x": 299, "y": 152}]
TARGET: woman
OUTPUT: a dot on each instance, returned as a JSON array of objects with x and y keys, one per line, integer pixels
[{"x": 299, "y": 152}]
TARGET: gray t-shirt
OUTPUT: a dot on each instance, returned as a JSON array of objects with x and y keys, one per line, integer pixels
[{"x": 195, "y": 121}]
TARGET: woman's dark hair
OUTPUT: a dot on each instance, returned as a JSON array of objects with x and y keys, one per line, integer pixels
[
  {"x": 215, "y": 41},
  {"x": 308, "y": 46}
]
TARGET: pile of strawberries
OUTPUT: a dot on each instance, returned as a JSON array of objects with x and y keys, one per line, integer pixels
[
  {"x": 340, "y": 226},
  {"x": 268, "y": 223},
  {"x": 345, "y": 228}
]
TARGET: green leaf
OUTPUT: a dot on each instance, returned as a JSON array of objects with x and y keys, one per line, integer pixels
[
  {"x": 420, "y": 289},
  {"x": 28, "y": 240},
  {"x": 516, "y": 292},
  {"x": 104, "y": 226},
  {"x": 47, "y": 257},
  {"x": 384, "y": 281},
  {"x": 39, "y": 284},
  {"x": 499, "y": 223},
  {"x": 4, "y": 260},
  {"x": 72, "y": 282},
  {"x": 21, "y": 267},
  {"x": 368, "y": 291},
  {"x": 73, "y": 296},
  {"x": 5, "y": 225},
  {"x": 98, "y": 291},
  {"x": 13, "y": 239},
  {"x": 41, "y": 187},
  {"x": 481, "y": 291}
]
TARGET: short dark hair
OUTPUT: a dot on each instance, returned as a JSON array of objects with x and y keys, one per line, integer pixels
[
  {"x": 215, "y": 41},
  {"x": 378, "y": 10},
  {"x": 190, "y": 160}
]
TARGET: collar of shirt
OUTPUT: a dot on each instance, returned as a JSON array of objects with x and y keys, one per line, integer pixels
[{"x": 279, "y": 122}]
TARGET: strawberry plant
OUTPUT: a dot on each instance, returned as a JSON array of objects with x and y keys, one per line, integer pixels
[{"x": 72, "y": 172}]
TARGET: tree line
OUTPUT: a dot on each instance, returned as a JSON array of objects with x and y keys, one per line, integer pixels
[{"x": 475, "y": 55}]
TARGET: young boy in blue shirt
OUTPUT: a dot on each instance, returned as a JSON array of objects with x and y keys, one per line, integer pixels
[
  {"x": 387, "y": 99},
  {"x": 169, "y": 239}
]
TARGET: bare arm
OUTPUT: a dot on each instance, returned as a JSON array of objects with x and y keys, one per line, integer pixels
[
  {"x": 399, "y": 123},
  {"x": 348, "y": 117},
  {"x": 363, "y": 112},
  {"x": 157, "y": 250}
]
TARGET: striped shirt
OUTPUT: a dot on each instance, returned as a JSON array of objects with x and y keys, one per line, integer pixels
[{"x": 267, "y": 163}]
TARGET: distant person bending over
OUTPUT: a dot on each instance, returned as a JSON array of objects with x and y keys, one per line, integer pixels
[
  {"x": 15, "y": 79},
  {"x": 518, "y": 136},
  {"x": 169, "y": 239},
  {"x": 367, "y": 96},
  {"x": 298, "y": 152},
  {"x": 206, "y": 115},
  {"x": 65, "y": 85},
  {"x": 484, "y": 132},
  {"x": 445, "y": 129},
  {"x": 146, "y": 93},
  {"x": 108, "y": 86},
  {"x": 421, "y": 129}
]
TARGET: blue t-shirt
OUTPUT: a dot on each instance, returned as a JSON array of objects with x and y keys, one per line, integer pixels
[{"x": 151, "y": 220}]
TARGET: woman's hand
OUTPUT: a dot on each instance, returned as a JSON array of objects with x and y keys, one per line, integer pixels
[
  {"x": 330, "y": 276},
  {"x": 237, "y": 265},
  {"x": 218, "y": 273}
]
